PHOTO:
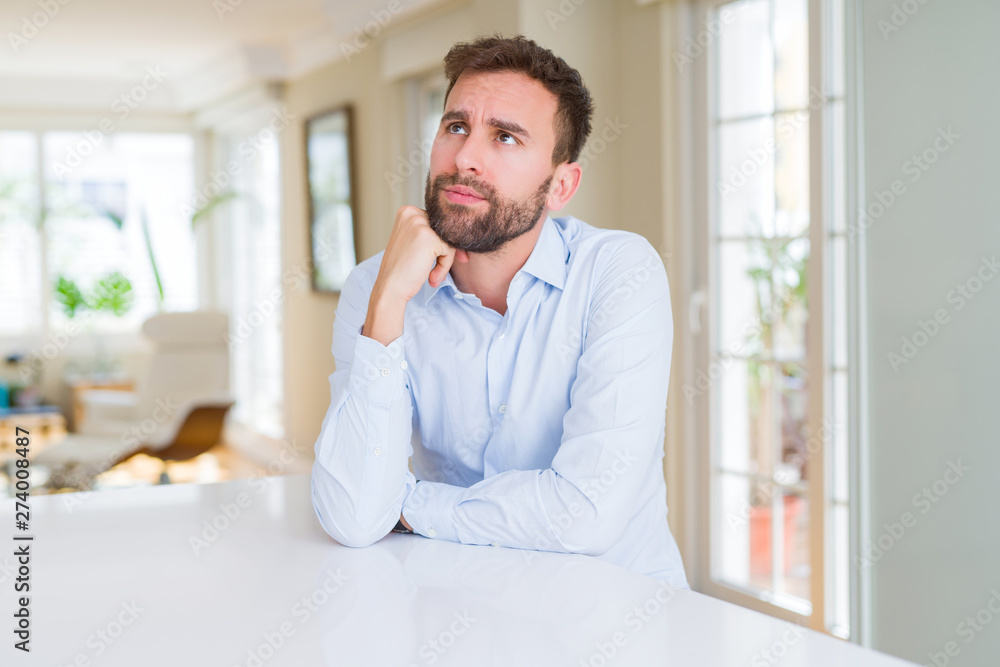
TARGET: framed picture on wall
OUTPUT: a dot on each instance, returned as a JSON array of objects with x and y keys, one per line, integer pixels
[{"x": 332, "y": 210}]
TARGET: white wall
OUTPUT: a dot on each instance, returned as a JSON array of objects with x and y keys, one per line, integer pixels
[{"x": 939, "y": 70}]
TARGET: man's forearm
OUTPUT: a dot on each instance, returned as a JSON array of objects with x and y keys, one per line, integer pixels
[{"x": 384, "y": 321}]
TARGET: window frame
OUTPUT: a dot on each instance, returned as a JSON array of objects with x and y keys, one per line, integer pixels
[{"x": 695, "y": 204}]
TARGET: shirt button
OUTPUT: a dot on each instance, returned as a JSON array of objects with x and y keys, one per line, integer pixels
[
  {"x": 503, "y": 408},
  {"x": 431, "y": 532},
  {"x": 459, "y": 296},
  {"x": 502, "y": 333},
  {"x": 403, "y": 364},
  {"x": 494, "y": 544},
  {"x": 385, "y": 372},
  {"x": 377, "y": 450}
]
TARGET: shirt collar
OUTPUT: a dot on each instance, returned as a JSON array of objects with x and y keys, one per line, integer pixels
[{"x": 547, "y": 261}]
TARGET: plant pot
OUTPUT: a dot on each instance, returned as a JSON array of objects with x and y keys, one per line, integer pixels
[{"x": 761, "y": 562}]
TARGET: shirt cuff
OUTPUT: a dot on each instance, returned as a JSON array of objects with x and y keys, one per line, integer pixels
[
  {"x": 378, "y": 372},
  {"x": 430, "y": 510}
]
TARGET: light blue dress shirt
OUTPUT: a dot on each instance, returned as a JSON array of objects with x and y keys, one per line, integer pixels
[{"x": 541, "y": 429}]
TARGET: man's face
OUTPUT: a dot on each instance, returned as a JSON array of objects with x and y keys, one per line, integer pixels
[{"x": 491, "y": 162}]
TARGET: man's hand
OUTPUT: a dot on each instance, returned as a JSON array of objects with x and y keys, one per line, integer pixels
[
  {"x": 414, "y": 254},
  {"x": 408, "y": 527}
]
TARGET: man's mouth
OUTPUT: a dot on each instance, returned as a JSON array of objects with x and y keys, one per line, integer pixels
[{"x": 459, "y": 194}]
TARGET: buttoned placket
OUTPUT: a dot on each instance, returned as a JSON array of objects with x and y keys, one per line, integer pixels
[{"x": 497, "y": 357}]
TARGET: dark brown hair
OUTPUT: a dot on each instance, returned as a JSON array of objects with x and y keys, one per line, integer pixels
[{"x": 520, "y": 54}]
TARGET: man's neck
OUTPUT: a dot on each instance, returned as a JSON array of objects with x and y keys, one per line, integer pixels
[{"x": 488, "y": 275}]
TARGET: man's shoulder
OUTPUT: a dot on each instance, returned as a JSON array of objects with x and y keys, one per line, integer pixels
[
  {"x": 596, "y": 245},
  {"x": 362, "y": 276}
]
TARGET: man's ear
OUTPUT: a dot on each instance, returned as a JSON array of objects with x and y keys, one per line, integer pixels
[{"x": 566, "y": 179}]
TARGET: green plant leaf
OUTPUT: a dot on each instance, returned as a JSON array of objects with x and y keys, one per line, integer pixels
[
  {"x": 152, "y": 257},
  {"x": 68, "y": 294},
  {"x": 113, "y": 293},
  {"x": 211, "y": 205}
]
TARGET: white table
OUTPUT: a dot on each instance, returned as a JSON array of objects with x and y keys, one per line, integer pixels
[{"x": 116, "y": 580}]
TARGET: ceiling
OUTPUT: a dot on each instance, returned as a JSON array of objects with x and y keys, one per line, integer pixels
[{"x": 87, "y": 53}]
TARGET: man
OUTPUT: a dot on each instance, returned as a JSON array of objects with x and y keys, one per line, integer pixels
[{"x": 522, "y": 360}]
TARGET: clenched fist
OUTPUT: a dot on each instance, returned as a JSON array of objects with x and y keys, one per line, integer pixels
[{"x": 414, "y": 254}]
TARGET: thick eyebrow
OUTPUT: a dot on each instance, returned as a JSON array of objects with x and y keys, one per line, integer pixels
[{"x": 499, "y": 123}]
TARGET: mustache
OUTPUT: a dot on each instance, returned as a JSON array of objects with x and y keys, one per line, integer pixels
[{"x": 443, "y": 181}]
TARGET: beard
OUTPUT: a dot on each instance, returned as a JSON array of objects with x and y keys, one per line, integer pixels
[{"x": 504, "y": 219}]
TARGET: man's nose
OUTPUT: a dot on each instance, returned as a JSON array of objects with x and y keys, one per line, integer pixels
[{"x": 469, "y": 159}]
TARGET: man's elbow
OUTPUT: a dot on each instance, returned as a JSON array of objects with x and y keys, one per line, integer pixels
[
  {"x": 355, "y": 539},
  {"x": 343, "y": 527},
  {"x": 600, "y": 542},
  {"x": 593, "y": 537},
  {"x": 349, "y": 533}
]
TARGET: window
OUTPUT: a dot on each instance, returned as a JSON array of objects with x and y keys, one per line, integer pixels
[
  {"x": 252, "y": 288},
  {"x": 99, "y": 207},
  {"x": 425, "y": 95},
  {"x": 21, "y": 272},
  {"x": 775, "y": 378}
]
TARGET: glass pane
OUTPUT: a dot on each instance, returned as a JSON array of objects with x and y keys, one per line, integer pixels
[
  {"x": 746, "y": 434},
  {"x": 255, "y": 258},
  {"x": 789, "y": 266},
  {"x": 838, "y": 441},
  {"x": 433, "y": 109},
  {"x": 795, "y": 455},
  {"x": 734, "y": 521},
  {"x": 791, "y": 174},
  {"x": 746, "y": 178},
  {"x": 841, "y": 581},
  {"x": 836, "y": 41},
  {"x": 791, "y": 54},
  {"x": 837, "y": 164},
  {"x": 745, "y": 62},
  {"x": 792, "y": 543},
  {"x": 332, "y": 229},
  {"x": 20, "y": 243},
  {"x": 838, "y": 294},
  {"x": 744, "y": 299},
  {"x": 122, "y": 205}
]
